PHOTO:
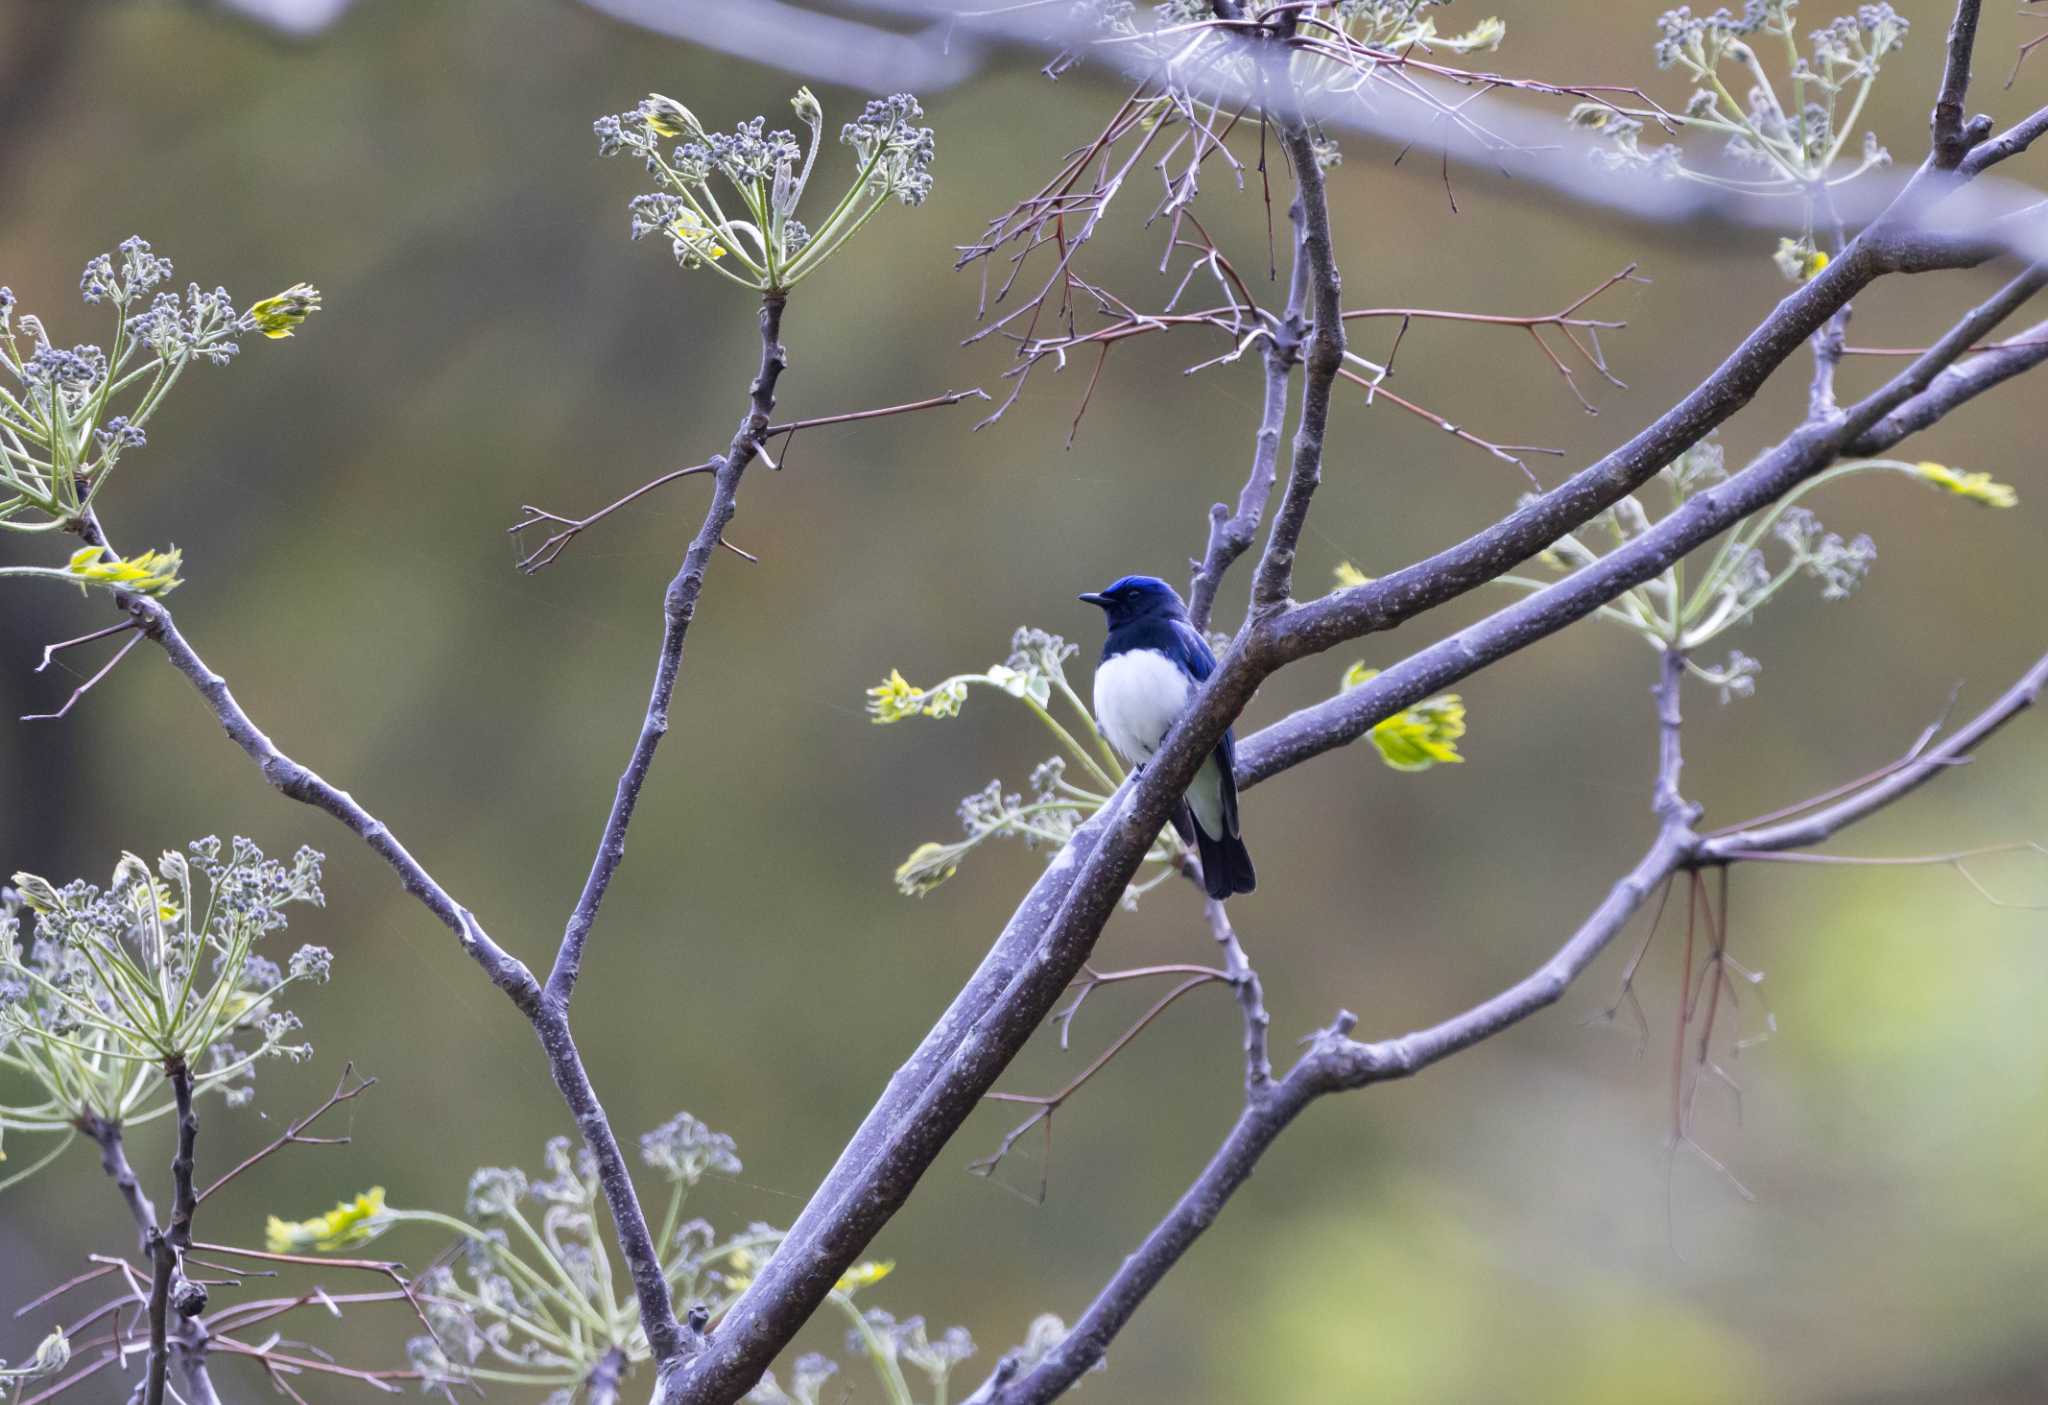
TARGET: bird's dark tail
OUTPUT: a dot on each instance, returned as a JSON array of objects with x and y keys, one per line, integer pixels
[{"x": 1226, "y": 865}]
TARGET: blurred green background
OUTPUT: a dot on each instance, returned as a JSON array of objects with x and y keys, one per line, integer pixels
[{"x": 1508, "y": 1225}]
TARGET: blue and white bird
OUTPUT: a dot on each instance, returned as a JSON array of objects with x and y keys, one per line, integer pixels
[{"x": 1151, "y": 664}]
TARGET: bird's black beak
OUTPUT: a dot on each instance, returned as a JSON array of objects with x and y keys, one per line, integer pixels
[{"x": 1093, "y": 599}]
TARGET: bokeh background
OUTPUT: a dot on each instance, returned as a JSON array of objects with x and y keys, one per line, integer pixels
[{"x": 1508, "y": 1225}]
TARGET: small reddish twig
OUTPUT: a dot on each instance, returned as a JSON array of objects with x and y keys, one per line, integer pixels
[
  {"x": 1890, "y": 768},
  {"x": 1506, "y": 452},
  {"x": 1627, "y": 992},
  {"x": 106, "y": 1267},
  {"x": 1093, "y": 978},
  {"x": 1048, "y": 1104},
  {"x": 1566, "y": 321},
  {"x": 381, "y": 1380},
  {"x": 951, "y": 397},
  {"x": 50, "y": 651},
  {"x": 387, "y": 1268},
  {"x": 87, "y": 686},
  {"x": 548, "y": 550},
  {"x": 2027, "y": 47},
  {"x": 2016, "y": 344},
  {"x": 294, "y": 1134}
]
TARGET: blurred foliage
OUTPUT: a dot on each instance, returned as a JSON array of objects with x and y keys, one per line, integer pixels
[{"x": 487, "y": 342}]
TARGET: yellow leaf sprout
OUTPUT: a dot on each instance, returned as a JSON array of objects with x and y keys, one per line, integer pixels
[
  {"x": 152, "y": 573},
  {"x": 275, "y": 317},
  {"x": 348, "y": 1224},
  {"x": 1977, "y": 487},
  {"x": 862, "y": 1275},
  {"x": 1420, "y": 737}
]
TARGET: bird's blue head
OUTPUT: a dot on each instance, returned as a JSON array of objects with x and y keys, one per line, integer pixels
[{"x": 1137, "y": 598}]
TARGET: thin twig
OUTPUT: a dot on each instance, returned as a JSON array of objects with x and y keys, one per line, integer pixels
[
  {"x": 294, "y": 1134},
  {"x": 87, "y": 686}
]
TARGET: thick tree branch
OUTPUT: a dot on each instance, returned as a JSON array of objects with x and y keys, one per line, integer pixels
[
  {"x": 1956, "y": 386},
  {"x": 1053, "y": 930},
  {"x": 1808, "y": 450},
  {"x": 2007, "y": 144},
  {"x": 1386, "y": 602},
  {"x": 1336, "y": 1062},
  {"x": 1017, "y": 985}
]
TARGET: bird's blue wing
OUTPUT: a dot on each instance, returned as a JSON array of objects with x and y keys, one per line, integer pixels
[{"x": 1192, "y": 652}]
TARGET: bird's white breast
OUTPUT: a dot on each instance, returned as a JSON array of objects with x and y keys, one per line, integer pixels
[{"x": 1139, "y": 695}]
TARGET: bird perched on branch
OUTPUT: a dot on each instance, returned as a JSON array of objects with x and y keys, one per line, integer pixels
[{"x": 1152, "y": 662}]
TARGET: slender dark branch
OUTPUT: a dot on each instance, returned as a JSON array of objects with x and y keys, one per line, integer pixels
[
  {"x": 1950, "y": 144},
  {"x": 91, "y": 1275},
  {"x": 294, "y": 1135},
  {"x": 106, "y": 1134},
  {"x": 50, "y": 1392},
  {"x": 665, "y": 1335},
  {"x": 1231, "y": 534},
  {"x": 679, "y": 607},
  {"x": 1322, "y": 358},
  {"x": 1049, "y": 1103},
  {"x": 50, "y": 651},
  {"x": 158, "y": 1367},
  {"x": 183, "y": 1202},
  {"x": 1251, "y": 998},
  {"x": 951, "y": 397},
  {"x": 549, "y": 550},
  {"x": 166, "y": 1248},
  {"x": 87, "y": 686}
]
